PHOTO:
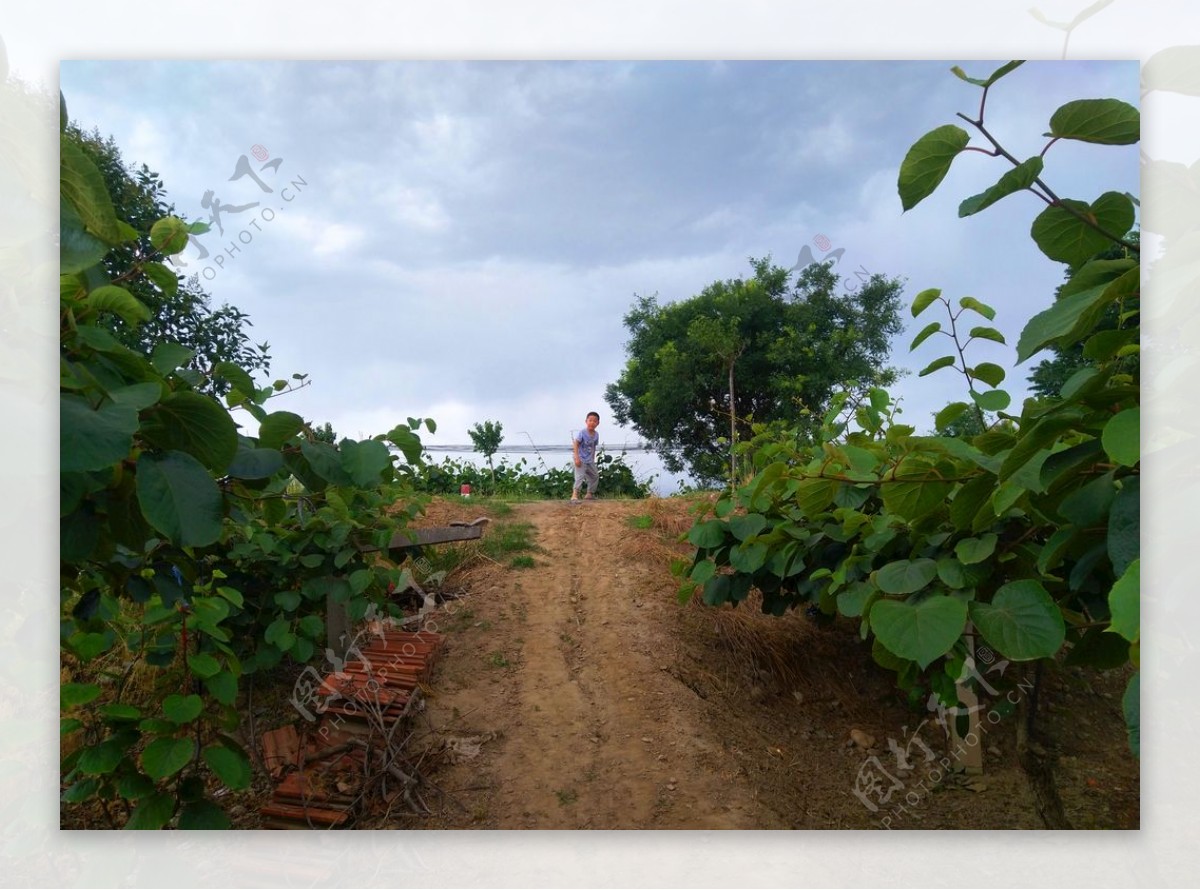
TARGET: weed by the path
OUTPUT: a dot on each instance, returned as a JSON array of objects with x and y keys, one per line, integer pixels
[
  {"x": 566, "y": 796},
  {"x": 497, "y": 659},
  {"x": 522, "y": 562},
  {"x": 506, "y": 538},
  {"x": 644, "y": 521}
]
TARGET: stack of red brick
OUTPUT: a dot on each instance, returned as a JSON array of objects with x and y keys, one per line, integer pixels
[{"x": 319, "y": 772}]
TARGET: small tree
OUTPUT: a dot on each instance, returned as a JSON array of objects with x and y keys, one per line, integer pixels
[
  {"x": 325, "y": 434},
  {"x": 486, "y": 437}
]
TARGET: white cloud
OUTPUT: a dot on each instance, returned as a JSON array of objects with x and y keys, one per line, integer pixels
[{"x": 413, "y": 207}]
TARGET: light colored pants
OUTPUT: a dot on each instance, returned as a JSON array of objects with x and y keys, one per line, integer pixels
[{"x": 587, "y": 473}]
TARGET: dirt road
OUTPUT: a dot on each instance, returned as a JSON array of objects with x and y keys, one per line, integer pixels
[
  {"x": 576, "y": 693},
  {"x": 561, "y": 672}
]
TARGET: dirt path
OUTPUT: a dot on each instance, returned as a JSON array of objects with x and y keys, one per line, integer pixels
[
  {"x": 574, "y": 692},
  {"x": 568, "y": 672}
]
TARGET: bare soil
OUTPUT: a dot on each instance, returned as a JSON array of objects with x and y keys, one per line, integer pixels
[{"x": 578, "y": 693}]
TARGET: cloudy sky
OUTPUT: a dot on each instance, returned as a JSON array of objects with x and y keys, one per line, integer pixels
[{"x": 461, "y": 240}]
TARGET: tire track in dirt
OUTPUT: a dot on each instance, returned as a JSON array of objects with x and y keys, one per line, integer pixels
[{"x": 593, "y": 730}]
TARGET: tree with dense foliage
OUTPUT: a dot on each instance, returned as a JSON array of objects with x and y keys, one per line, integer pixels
[
  {"x": 325, "y": 434},
  {"x": 180, "y": 310},
  {"x": 701, "y": 370}
]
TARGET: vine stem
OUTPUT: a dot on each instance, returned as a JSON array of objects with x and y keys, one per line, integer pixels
[
  {"x": 963, "y": 358},
  {"x": 1049, "y": 197}
]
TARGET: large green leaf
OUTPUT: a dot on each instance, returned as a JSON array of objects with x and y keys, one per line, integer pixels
[
  {"x": 813, "y": 496},
  {"x": 986, "y": 333},
  {"x": 973, "y": 550},
  {"x": 919, "y": 631},
  {"x": 365, "y": 461},
  {"x": 195, "y": 424},
  {"x": 169, "y": 235},
  {"x": 924, "y": 300},
  {"x": 1019, "y": 177},
  {"x": 81, "y": 791},
  {"x": 1061, "y": 465},
  {"x": 117, "y": 300},
  {"x": 748, "y": 558},
  {"x": 138, "y": 396},
  {"x": 949, "y": 414},
  {"x": 222, "y": 687},
  {"x": 989, "y": 373},
  {"x": 231, "y": 766},
  {"x": 905, "y": 575},
  {"x": 1124, "y": 525},
  {"x": 1124, "y": 603},
  {"x": 165, "y": 757},
  {"x": 747, "y": 526},
  {"x": 168, "y": 356},
  {"x": 1074, "y": 231},
  {"x": 103, "y": 758},
  {"x": 912, "y": 500},
  {"x": 182, "y": 708},
  {"x": 992, "y": 400},
  {"x": 928, "y": 162},
  {"x": 72, "y": 694},
  {"x": 1068, "y": 319},
  {"x": 937, "y": 364},
  {"x": 326, "y": 462},
  {"x": 179, "y": 498},
  {"x": 976, "y": 306},
  {"x": 926, "y": 332},
  {"x": 1104, "y": 121},
  {"x": 1090, "y": 503},
  {"x": 1099, "y": 649},
  {"x": 203, "y": 815},
  {"x": 970, "y": 499},
  {"x": 852, "y": 600},
  {"x": 408, "y": 443},
  {"x": 93, "y": 439},
  {"x": 78, "y": 249},
  {"x": 716, "y": 590},
  {"x": 1122, "y": 437},
  {"x": 166, "y": 280},
  {"x": 1098, "y": 271},
  {"x": 1042, "y": 434},
  {"x": 255, "y": 463},
  {"x": 82, "y": 185},
  {"x": 78, "y": 535},
  {"x": 236, "y": 376},
  {"x": 1021, "y": 622},
  {"x": 152, "y": 813},
  {"x": 279, "y": 427},
  {"x": 203, "y": 665}
]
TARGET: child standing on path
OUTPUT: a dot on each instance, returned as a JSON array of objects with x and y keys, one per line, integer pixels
[{"x": 584, "y": 445}]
